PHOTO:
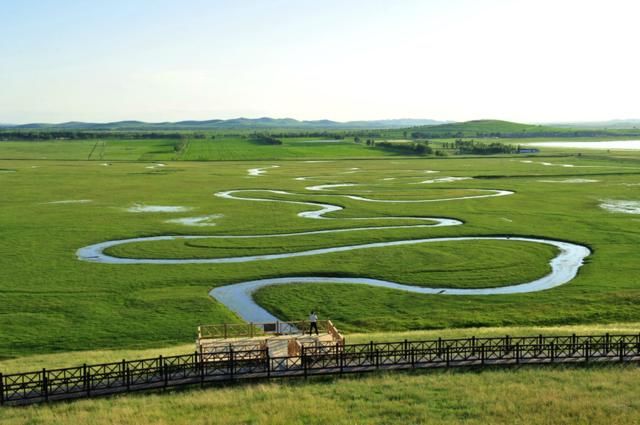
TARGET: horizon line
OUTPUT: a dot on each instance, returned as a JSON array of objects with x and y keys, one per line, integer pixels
[{"x": 317, "y": 120}]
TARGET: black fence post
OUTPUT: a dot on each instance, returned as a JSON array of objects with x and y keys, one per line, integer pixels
[
  {"x": 194, "y": 366},
  {"x": 371, "y": 352},
  {"x": 202, "y": 366},
  {"x": 606, "y": 343},
  {"x": 552, "y": 349},
  {"x": 540, "y": 344},
  {"x": 473, "y": 345},
  {"x": 1, "y": 389},
  {"x": 128, "y": 375},
  {"x": 167, "y": 372},
  {"x": 482, "y": 354},
  {"x": 448, "y": 355},
  {"x": 406, "y": 350},
  {"x": 87, "y": 379},
  {"x": 518, "y": 353},
  {"x": 231, "y": 363},
  {"x": 413, "y": 357},
  {"x": 574, "y": 339},
  {"x": 163, "y": 370},
  {"x": 586, "y": 350},
  {"x": 620, "y": 352},
  {"x": 341, "y": 362},
  {"x": 377, "y": 359},
  {"x": 303, "y": 359},
  {"x": 45, "y": 385},
  {"x": 123, "y": 373}
]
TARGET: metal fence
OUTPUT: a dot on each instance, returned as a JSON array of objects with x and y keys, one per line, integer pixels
[{"x": 198, "y": 368}]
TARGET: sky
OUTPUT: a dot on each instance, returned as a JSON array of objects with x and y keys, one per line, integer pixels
[{"x": 158, "y": 60}]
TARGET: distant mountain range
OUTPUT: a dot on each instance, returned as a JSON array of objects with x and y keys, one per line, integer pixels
[
  {"x": 236, "y": 123},
  {"x": 431, "y": 126}
]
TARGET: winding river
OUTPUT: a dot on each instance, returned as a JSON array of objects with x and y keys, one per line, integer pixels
[{"x": 238, "y": 297}]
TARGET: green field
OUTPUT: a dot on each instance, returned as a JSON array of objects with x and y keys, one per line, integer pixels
[
  {"x": 51, "y": 302},
  {"x": 53, "y": 307},
  {"x": 221, "y": 148}
]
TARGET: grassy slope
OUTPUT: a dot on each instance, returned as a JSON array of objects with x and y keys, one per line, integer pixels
[
  {"x": 527, "y": 395},
  {"x": 472, "y": 128},
  {"x": 489, "y": 126}
]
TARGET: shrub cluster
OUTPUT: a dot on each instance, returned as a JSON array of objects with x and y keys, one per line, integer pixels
[{"x": 265, "y": 139}]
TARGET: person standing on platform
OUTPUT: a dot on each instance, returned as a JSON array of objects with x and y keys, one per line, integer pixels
[{"x": 313, "y": 320}]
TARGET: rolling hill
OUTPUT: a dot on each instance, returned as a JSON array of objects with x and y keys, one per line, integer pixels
[
  {"x": 235, "y": 123},
  {"x": 507, "y": 129}
]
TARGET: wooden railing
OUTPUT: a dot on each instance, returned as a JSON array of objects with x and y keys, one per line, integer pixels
[
  {"x": 251, "y": 330},
  {"x": 196, "y": 368},
  {"x": 335, "y": 334},
  {"x": 230, "y": 330},
  {"x": 294, "y": 348},
  {"x": 216, "y": 349}
]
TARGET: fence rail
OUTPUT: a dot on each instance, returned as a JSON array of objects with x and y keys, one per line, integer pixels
[
  {"x": 198, "y": 368},
  {"x": 250, "y": 330}
]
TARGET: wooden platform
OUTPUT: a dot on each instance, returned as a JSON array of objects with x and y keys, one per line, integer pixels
[
  {"x": 280, "y": 338},
  {"x": 278, "y": 345}
]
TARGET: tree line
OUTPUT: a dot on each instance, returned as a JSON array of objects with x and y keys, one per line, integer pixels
[
  {"x": 265, "y": 139},
  {"x": 406, "y": 148},
  {"x": 84, "y": 135},
  {"x": 476, "y": 148}
]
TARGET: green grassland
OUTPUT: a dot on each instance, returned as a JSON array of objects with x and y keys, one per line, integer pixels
[
  {"x": 220, "y": 149},
  {"x": 242, "y": 148},
  {"x": 57, "y": 311},
  {"x": 51, "y": 302}
]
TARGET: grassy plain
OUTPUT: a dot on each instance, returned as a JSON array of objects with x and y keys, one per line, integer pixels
[
  {"x": 52, "y": 306},
  {"x": 229, "y": 148},
  {"x": 51, "y": 302}
]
